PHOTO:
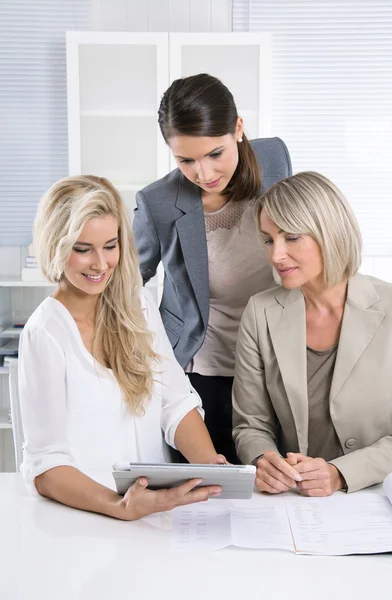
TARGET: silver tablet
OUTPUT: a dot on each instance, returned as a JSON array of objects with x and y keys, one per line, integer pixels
[{"x": 236, "y": 480}]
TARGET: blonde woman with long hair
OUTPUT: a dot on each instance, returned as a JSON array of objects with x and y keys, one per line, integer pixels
[{"x": 98, "y": 379}]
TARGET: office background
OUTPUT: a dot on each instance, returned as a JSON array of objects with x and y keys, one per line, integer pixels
[
  {"x": 332, "y": 104},
  {"x": 331, "y": 95}
]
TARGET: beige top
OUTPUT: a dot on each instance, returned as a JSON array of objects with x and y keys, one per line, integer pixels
[
  {"x": 323, "y": 441},
  {"x": 238, "y": 268}
]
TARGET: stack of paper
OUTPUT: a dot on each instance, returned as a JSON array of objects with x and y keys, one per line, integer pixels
[
  {"x": 359, "y": 523},
  {"x": 31, "y": 271}
]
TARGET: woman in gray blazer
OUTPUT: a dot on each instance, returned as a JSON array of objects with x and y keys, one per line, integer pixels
[
  {"x": 313, "y": 377},
  {"x": 198, "y": 221}
]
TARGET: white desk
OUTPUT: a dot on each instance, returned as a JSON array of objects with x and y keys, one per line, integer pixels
[{"x": 52, "y": 552}]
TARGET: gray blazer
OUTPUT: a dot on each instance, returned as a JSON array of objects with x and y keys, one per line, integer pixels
[{"x": 169, "y": 227}]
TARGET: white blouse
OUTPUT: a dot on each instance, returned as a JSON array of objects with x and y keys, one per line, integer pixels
[{"x": 72, "y": 408}]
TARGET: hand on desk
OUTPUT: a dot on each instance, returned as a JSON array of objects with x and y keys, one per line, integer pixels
[
  {"x": 312, "y": 476},
  {"x": 274, "y": 474},
  {"x": 319, "y": 478},
  {"x": 139, "y": 501}
]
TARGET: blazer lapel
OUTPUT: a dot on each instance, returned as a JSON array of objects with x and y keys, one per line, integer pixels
[
  {"x": 192, "y": 236},
  {"x": 287, "y": 327},
  {"x": 359, "y": 325}
]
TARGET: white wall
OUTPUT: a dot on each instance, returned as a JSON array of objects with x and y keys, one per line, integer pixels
[
  {"x": 169, "y": 15},
  {"x": 332, "y": 101}
]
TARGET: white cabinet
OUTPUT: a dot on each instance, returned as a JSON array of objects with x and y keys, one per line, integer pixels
[
  {"x": 18, "y": 300},
  {"x": 115, "y": 84}
]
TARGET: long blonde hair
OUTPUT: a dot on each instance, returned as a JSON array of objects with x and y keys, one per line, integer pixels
[{"x": 121, "y": 335}]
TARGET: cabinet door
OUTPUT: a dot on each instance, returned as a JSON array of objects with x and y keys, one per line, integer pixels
[
  {"x": 242, "y": 62},
  {"x": 115, "y": 83}
]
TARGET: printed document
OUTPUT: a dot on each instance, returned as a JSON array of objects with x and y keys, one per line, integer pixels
[{"x": 358, "y": 523}]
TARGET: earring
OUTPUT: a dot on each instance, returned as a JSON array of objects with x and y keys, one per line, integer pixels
[{"x": 239, "y": 140}]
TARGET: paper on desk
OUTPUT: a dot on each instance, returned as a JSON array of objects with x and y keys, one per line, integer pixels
[
  {"x": 257, "y": 523},
  {"x": 387, "y": 486},
  {"x": 197, "y": 528},
  {"x": 359, "y": 523}
]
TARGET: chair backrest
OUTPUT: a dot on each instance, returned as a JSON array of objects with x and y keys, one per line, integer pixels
[{"x": 16, "y": 415}]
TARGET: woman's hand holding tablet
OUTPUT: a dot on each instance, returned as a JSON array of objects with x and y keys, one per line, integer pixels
[{"x": 215, "y": 480}]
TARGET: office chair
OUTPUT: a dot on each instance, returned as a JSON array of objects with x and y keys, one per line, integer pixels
[{"x": 16, "y": 416}]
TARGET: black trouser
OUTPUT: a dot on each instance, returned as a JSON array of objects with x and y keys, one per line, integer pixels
[{"x": 215, "y": 393}]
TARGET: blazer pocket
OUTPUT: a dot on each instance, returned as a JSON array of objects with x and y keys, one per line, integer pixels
[{"x": 173, "y": 326}]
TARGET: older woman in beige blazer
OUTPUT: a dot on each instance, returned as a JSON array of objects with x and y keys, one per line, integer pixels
[{"x": 312, "y": 397}]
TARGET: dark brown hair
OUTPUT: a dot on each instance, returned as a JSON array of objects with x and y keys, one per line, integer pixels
[{"x": 201, "y": 105}]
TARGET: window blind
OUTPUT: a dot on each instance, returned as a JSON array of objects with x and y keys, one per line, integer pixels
[
  {"x": 33, "y": 109},
  {"x": 332, "y": 97}
]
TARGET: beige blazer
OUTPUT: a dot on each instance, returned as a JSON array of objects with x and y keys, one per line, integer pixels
[{"x": 270, "y": 403}]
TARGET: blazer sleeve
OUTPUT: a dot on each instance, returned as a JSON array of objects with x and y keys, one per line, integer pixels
[
  {"x": 255, "y": 423},
  {"x": 366, "y": 466},
  {"x": 147, "y": 241}
]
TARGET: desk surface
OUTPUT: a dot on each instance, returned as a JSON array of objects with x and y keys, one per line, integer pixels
[{"x": 50, "y": 551}]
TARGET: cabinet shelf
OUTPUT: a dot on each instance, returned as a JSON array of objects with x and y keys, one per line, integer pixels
[
  {"x": 11, "y": 332},
  {"x": 8, "y": 281}
]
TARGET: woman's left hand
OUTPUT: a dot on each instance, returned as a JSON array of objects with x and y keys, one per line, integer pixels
[{"x": 319, "y": 478}]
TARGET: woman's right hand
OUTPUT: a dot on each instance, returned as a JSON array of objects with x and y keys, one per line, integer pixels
[
  {"x": 139, "y": 501},
  {"x": 274, "y": 475}
]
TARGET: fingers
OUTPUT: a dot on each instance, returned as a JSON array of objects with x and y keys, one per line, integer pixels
[
  {"x": 199, "y": 495},
  {"x": 186, "y": 494},
  {"x": 220, "y": 460},
  {"x": 271, "y": 474},
  {"x": 185, "y": 488},
  {"x": 316, "y": 478},
  {"x": 138, "y": 486},
  {"x": 269, "y": 484},
  {"x": 262, "y": 486},
  {"x": 188, "y": 486},
  {"x": 274, "y": 475},
  {"x": 317, "y": 482},
  {"x": 293, "y": 458},
  {"x": 315, "y": 468},
  {"x": 281, "y": 465},
  {"x": 140, "y": 501}
]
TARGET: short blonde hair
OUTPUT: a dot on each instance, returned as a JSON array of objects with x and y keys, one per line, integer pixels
[
  {"x": 121, "y": 338},
  {"x": 309, "y": 203}
]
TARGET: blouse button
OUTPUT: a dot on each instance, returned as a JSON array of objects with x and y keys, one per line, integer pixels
[{"x": 351, "y": 443}]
